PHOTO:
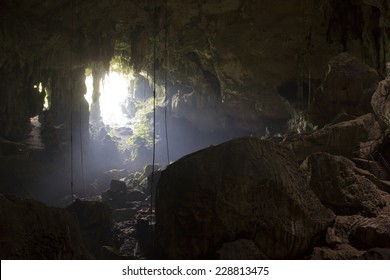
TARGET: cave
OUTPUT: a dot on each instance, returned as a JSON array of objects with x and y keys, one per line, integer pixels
[{"x": 172, "y": 129}]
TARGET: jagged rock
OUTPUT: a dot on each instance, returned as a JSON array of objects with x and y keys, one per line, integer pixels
[
  {"x": 118, "y": 186},
  {"x": 124, "y": 214},
  {"x": 104, "y": 181},
  {"x": 380, "y": 101},
  {"x": 122, "y": 199},
  {"x": 340, "y": 252},
  {"x": 347, "y": 88},
  {"x": 345, "y": 225},
  {"x": 374, "y": 232},
  {"x": 110, "y": 253},
  {"x": 242, "y": 188},
  {"x": 242, "y": 249},
  {"x": 343, "y": 138},
  {"x": 331, "y": 237},
  {"x": 31, "y": 230},
  {"x": 376, "y": 254},
  {"x": 335, "y": 182},
  {"x": 95, "y": 221}
]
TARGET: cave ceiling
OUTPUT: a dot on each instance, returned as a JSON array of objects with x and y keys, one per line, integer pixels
[{"x": 239, "y": 52}]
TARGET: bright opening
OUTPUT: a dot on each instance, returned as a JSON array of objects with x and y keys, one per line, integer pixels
[
  {"x": 40, "y": 90},
  {"x": 114, "y": 90}
]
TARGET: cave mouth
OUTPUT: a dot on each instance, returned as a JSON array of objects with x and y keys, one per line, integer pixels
[{"x": 115, "y": 92}]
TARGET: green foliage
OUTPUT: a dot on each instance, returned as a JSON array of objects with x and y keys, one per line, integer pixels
[{"x": 112, "y": 133}]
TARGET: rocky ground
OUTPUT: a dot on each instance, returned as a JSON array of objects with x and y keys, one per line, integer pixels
[{"x": 244, "y": 199}]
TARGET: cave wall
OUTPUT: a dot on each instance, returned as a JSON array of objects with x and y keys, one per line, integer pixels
[{"x": 224, "y": 60}]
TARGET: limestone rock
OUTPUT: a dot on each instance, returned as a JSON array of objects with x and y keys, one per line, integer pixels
[
  {"x": 380, "y": 101},
  {"x": 244, "y": 188},
  {"x": 122, "y": 199},
  {"x": 347, "y": 88},
  {"x": 376, "y": 254},
  {"x": 95, "y": 221},
  {"x": 118, "y": 186},
  {"x": 374, "y": 232},
  {"x": 339, "y": 187},
  {"x": 242, "y": 249},
  {"x": 31, "y": 230},
  {"x": 341, "y": 252},
  {"x": 331, "y": 238},
  {"x": 103, "y": 182},
  {"x": 344, "y": 138}
]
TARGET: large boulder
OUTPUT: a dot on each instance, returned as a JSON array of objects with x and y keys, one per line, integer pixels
[
  {"x": 347, "y": 88},
  {"x": 344, "y": 138},
  {"x": 95, "y": 221},
  {"x": 339, "y": 186},
  {"x": 31, "y": 230},
  {"x": 242, "y": 189},
  {"x": 380, "y": 101}
]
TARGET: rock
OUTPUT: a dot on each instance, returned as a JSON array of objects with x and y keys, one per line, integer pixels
[
  {"x": 31, "y": 230},
  {"x": 376, "y": 254},
  {"x": 152, "y": 185},
  {"x": 122, "y": 199},
  {"x": 102, "y": 183},
  {"x": 341, "y": 252},
  {"x": 95, "y": 221},
  {"x": 345, "y": 225},
  {"x": 343, "y": 138},
  {"x": 374, "y": 232},
  {"x": 244, "y": 188},
  {"x": 242, "y": 249},
  {"x": 110, "y": 253},
  {"x": 118, "y": 186},
  {"x": 331, "y": 238},
  {"x": 347, "y": 89},
  {"x": 335, "y": 182},
  {"x": 124, "y": 214},
  {"x": 380, "y": 101}
]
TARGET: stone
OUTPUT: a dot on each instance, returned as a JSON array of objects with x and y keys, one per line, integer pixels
[
  {"x": 95, "y": 221},
  {"x": 376, "y": 254},
  {"x": 334, "y": 180},
  {"x": 380, "y": 101},
  {"x": 122, "y": 199},
  {"x": 103, "y": 182},
  {"x": 245, "y": 188},
  {"x": 341, "y": 252},
  {"x": 242, "y": 249},
  {"x": 118, "y": 186},
  {"x": 344, "y": 138},
  {"x": 32, "y": 230},
  {"x": 124, "y": 214},
  {"x": 331, "y": 238},
  {"x": 347, "y": 89},
  {"x": 110, "y": 253},
  {"x": 374, "y": 232}
]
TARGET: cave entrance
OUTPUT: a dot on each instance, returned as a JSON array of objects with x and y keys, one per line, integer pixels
[
  {"x": 121, "y": 115},
  {"x": 115, "y": 92}
]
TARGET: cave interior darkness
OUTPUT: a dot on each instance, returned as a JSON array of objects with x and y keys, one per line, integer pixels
[{"x": 228, "y": 99}]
